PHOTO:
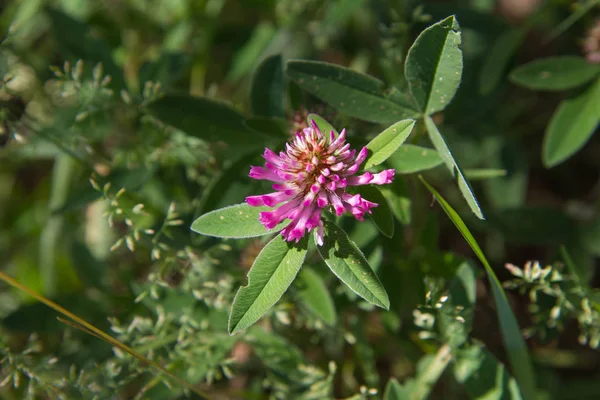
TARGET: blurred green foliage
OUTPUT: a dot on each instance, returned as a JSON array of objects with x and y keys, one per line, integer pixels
[{"x": 122, "y": 122}]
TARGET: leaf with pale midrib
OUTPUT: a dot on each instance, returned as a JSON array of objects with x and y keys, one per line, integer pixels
[
  {"x": 434, "y": 66},
  {"x": 387, "y": 142},
  {"x": 272, "y": 273},
  {"x": 235, "y": 222},
  {"x": 349, "y": 264}
]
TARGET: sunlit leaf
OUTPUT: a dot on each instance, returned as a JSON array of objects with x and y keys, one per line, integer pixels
[
  {"x": 434, "y": 64},
  {"x": 238, "y": 221},
  {"x": 387, "y": 142},
  {"x": 272, "y": 273},
  {"x": 410, "y": 159},
  {"x": 349, "y": 264}
]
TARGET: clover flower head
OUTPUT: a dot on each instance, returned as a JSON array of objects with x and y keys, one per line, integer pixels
[{"x": 313, "y": 174}]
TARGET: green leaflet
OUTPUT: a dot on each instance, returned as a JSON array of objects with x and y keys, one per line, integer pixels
[
  {"x": 555, "y": 73},
  {"x": 410, "y": 159},
  {"x": 234, "y": 222},
  {"x": 434, "y": 65},
  {"x": 387, "y": 142},
  {"x": 571, "y": 126},
  {"x": 516, "y": 348},
  {"x": 350, "y": 92},
  {"x": 349, "y": 264},
  {"x": 465, "y": 189},
  {"x": 271, "y": 274}
]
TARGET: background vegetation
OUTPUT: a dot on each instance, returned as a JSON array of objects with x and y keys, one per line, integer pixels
[{"x": 122, "y": 122}]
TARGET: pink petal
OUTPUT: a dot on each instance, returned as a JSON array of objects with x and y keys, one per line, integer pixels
[
  {"x": 261, "y": 173},
  {"x": 360, "y": 180},
  {"x": 384, "y": 177}
]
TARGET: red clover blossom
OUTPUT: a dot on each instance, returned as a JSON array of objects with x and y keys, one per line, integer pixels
[{"x": 313, "y": 173}]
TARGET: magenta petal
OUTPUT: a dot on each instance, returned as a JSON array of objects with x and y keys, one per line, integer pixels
[
  {"x": 322, "y": 200},
  {"x": 261, "y": 173},
  {"x": 310, "y": 174},
  {"x": 255, "y": 201},
  {"x": 360, "y": 180},
  {"x": 271, "y": 157},
  {"x": 384, "y": 177},
  {"x": 273, "y": 199}
]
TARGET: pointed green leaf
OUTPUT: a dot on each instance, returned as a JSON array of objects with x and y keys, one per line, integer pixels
[
  {"x": 382, "y": 214},
  {"x": 387, "y": 142},
  {"x": 555, "y": 73},
  {"x": 516, "y": 348},
  {"x": 349, "y": 264},
  {"x": 463, "y": 185},
  {"x": 571, "y": 126},
  {"x": 234, "y": 222},
  {"x": 324, "y": 126},
  {"x": 355, "y": 94},
  {"x": 434, "y": 65},
  {"x": 204, "y": 118},
  {"x": 315, "y": 296},
  {"x": 410, "y": 159},
  {"x": 267, "y": 91},
  {"x": 271, "y": 274}
]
